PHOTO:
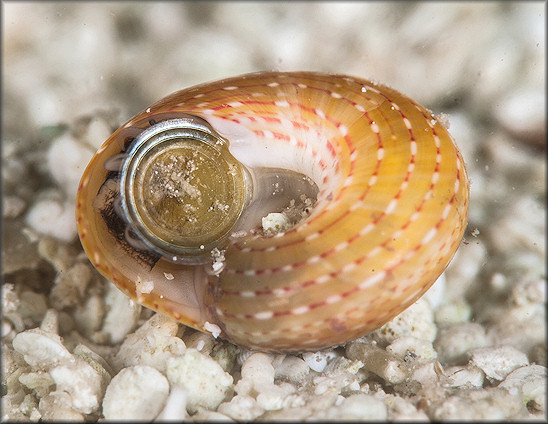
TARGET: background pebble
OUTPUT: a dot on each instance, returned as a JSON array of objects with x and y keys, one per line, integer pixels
[
  {"x": 453, "y": 342},
  {"x": 207, "y": 384},
  {"x": 40, "y": 349},
  {"x": 416, "y": 321},
  {"x": 151, "y": 344},
  {"x": 498, "y": 362},
  {"x": 82, "y": 382},
  {"x": 292, "y": 369},
  {"x": 359, "y": 407},
  {"x": 148, "y": 390}
]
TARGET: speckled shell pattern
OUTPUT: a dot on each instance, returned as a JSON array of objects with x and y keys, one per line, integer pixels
[{"x": 390, "y": 214}]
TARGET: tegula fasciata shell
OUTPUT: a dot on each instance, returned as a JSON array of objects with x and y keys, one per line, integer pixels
[{"x": 170, "y": 207}]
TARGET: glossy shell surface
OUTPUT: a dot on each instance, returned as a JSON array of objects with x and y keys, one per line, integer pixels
[{"x": 390, "y": 212}]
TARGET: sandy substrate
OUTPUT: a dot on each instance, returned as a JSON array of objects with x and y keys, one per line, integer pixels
[{"x": 75, "y": 348}]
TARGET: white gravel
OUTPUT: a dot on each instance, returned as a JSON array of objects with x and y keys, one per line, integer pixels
[{"x": 75, "y": 348}]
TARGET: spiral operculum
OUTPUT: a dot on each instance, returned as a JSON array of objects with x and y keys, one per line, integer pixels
[{"x": 180, "y": 190}]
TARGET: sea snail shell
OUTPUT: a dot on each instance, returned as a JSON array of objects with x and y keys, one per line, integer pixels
[{"x": 162, "y": 199}]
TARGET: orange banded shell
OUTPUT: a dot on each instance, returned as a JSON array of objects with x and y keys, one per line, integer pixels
[{"x": 391, "y": 208}]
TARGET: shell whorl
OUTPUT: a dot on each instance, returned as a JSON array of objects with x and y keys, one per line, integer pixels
[{"x": 390, "y": 212}]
